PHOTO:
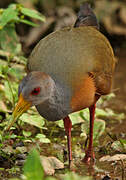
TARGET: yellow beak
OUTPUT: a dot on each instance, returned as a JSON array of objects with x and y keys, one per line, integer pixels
[{"x": 20, "y": 108}]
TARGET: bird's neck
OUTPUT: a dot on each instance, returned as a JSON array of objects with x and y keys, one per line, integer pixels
[{"x": 57, "y": 106}]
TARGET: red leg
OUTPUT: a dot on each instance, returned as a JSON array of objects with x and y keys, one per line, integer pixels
[
  {"x": 68, "y": 126},
  {"x": 89, "y": 156}
]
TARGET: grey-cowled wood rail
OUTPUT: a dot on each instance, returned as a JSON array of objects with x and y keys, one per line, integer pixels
[{"x": 68, "y": 71}]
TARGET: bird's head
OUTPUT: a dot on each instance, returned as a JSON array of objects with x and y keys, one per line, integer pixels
[{"x": 34, "y": 89}]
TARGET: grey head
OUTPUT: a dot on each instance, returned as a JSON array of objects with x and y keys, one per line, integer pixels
[{"x": 50, "y": 98}]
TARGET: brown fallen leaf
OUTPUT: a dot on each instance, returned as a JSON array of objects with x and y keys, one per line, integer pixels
[
  {"x": 116, "y": 157},
  {"x": 50, "y": 164}
]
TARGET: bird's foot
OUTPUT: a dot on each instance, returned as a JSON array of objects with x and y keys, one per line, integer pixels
[{"x": 89, "y": 157}]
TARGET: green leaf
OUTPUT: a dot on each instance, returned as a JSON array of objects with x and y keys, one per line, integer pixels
[
  {"x": 32, "y": 14},
  {"x": 33, "y": 169},
  {"x": 101, "y": 113},
  {"x": 76, "y": 118},
  {"x": 27, "y": 133},
  {"x": 118, "y": 116},
  {"x": 99, "y": 127},
  {"x": 8, "y": 15},
  {"x": 3, "y": 70},
  {"x": 60, "y": 123},
  {"x": 28, "y": 22},
  {"x": 119, "y": 145},
  {"x": 35, "y": 120},
  {"x": 9, "y": 40},
  {"x": 50, "y": 178},
  {"x": 13, "y": 136},
  {"x": 0, "y": 137},
  {"x": 85, "y": 114},
  {"x": 21, "y": 150},
  {"x": 85, "y": 129},
  {"x": 42, "y": 138},
  {"x": 16, "y": 72},
  {"x": 8, "y": 93},
  {"x": 74, "y": 176}
]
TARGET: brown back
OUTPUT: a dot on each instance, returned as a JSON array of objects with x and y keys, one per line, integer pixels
[{"x": 69, "y": 54}]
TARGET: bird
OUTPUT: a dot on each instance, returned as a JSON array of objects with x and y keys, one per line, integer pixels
[{"x": 68, "y": 71}]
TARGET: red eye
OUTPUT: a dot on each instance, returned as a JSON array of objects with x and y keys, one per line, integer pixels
[{"x": 36, "y": 91}]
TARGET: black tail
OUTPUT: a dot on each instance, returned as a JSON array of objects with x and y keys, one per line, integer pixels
[{"x": 86, "y": 17}]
